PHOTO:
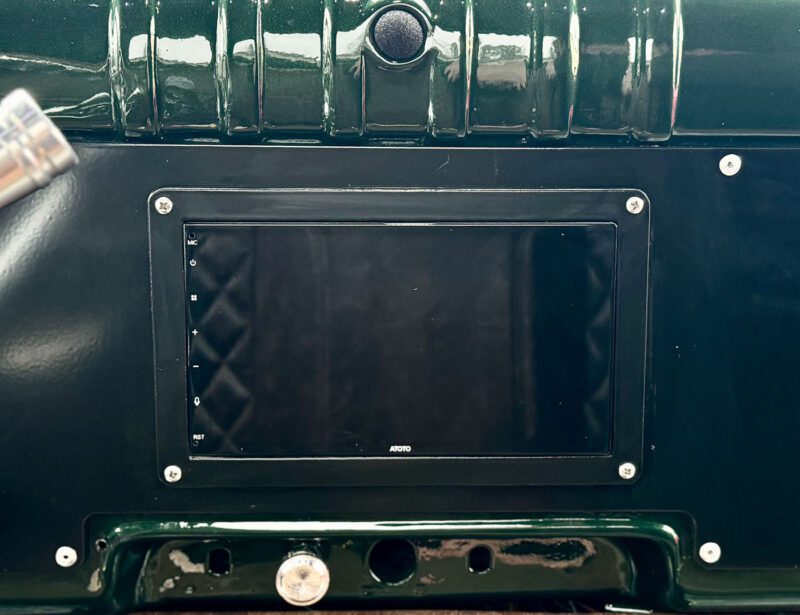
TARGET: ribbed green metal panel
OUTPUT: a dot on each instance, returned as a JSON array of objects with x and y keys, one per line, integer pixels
[{"x": 306, "y": 68}]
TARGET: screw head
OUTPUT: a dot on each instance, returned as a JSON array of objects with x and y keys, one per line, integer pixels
[
  {"x": 627, "y": 470},
  {"x": 635, "y": 205},
  {"x": 66, "y": 556},
  {"x": 302, "y": 579},
  {"x": 710, "y": 552},
  {"x": 730, "y": 165},
  {"x": 172, "y": 474},
  {"x": 163, "y": 205}
]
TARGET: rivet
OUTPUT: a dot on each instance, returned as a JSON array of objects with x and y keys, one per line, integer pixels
[
  {"x": 172, "y": 474},
  {"x": 66, "y": 557},
  {"x": 163, "y": 205},
  {"x": 710, "y": 552},
  {"x": 635, "y": 205},
  {"x": 627, "y": 470},
  {"x": 730, "y": 165}
]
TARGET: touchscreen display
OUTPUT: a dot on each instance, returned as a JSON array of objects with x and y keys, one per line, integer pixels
[{"x": 363, "y": 340}]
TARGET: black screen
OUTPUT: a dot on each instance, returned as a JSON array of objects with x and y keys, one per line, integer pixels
[{"x": 379, "y": 340}]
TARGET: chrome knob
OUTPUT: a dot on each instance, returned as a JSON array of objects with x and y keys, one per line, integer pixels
[
  {"x": 302, "y": 579},
  {"x": 32, "y": 150}
]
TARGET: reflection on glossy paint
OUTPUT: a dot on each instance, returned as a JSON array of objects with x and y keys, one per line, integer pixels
[
  {"x": 574, "y": 43},
  {"x": 448, "y": 47},
  {"x": 39, "y": 349},
  {"x": 85, "y": 108},
  {"x": 104, "y": 69},
  {"x": 550, "y": 52},
  {"x": 23, "y": 59},
  {"x": 448, "y": 43},
  {"x": 21, "y": 245},
  {"x": 191, "y": 76},
  {"x": 137, "y": 48},
  {"x": 192, "y": 51},
  {"x": 299, "y": 46},
  {"x": 245, "y": 50},
  {"x": 503, "y": 60},
  {"x": 677, "y": 57},
  {"x": 349, "y": 43}
]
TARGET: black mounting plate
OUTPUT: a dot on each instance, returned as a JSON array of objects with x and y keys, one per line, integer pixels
[{"x": 479, "y": 207}]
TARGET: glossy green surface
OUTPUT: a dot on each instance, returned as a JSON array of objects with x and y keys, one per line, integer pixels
[
  {"x": 150, "y": 562},
  {"x": 633, "y": 560},
  {"x": 306, "y": 69}
]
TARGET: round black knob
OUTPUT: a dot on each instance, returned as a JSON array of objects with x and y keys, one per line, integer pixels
[{"x": 398, "y": 35}]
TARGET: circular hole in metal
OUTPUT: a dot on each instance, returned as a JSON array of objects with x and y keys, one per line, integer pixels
[
  {"x": 219, "y": 562},
  {"x": 192, "y": 236},
  {"x": 398, "y": 34},
  {"x": 100, "y": 545},
  {"x": 392, "y": 561},
  {"x": 479, "y": 560}
]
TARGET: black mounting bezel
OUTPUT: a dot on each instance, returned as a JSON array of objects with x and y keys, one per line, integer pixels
[{"x": 383, "y": 205}]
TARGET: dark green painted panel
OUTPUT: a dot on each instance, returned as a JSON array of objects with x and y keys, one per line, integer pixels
[
  {"x": 59, "y": 52},
  {"x": 130, "y": 71},
  {"x": 502, "y": 81},
  {"x": 625, "y": 68},
  {"x": 293, "y": 87},
  {"x": 448, "y": 95},
  {"x": 740, "y": 68},
  {"x": 299, "y": 69},
  {"x": 240, "y": 73},
  {"x": 187, "y": 68}
]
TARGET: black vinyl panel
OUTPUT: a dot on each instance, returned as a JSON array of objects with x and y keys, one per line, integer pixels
[{"x": 77, "y": 382}]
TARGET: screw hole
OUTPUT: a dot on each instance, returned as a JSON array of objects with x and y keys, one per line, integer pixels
[
  {"x": 393, "y": 561},
  {"x": 479, "y": 560},
  {"x": 100, "y": 545},
  {"x": 219, "y": 562}
]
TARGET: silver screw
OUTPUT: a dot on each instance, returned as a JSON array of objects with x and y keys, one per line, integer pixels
[
  {"x": 163, "y": 205},
  {"x": 172, "y": 474},
  {"x": 730, "y": 165},
  {"x": 627, "y": 470},
  {"x": 710, "y": 552},
  {"x": 66, "y": 557},
  {"x": 635, "y": 205}
]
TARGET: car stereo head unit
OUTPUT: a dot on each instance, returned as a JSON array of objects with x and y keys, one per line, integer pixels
[{"x": 476, "y": 337}]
